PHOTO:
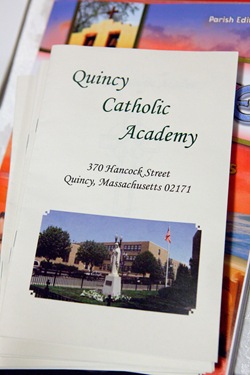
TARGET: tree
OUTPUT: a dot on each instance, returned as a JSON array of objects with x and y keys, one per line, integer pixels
[
  {"x": 92, "y": 253},
  {"x": 146, "y": 263},
  {"x": 183, "y": 276},
  {"x": 53, "y": 243},
  {"x": 158, "y": 273},
  {"x": 89, "y": 11}
]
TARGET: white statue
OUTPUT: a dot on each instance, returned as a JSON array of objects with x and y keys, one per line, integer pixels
[
  {"x": 115, "y": 259},
  {"x": 112, "y": 283}
]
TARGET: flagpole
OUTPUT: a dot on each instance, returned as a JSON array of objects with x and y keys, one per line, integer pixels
[
  {"x": 166, "y": 278},
  {"x": 167, "y": 238}
]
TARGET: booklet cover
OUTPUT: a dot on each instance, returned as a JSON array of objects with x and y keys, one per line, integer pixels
[
  {"x": 127, "y": 163},
  {"x": 201, "y": 26},
  {"x": 33, "y": 354}
]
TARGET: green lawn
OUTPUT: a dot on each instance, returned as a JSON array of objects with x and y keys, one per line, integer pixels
[{"x": 132, "y": 299}]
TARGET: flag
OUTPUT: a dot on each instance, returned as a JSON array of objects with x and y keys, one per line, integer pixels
[{"x": 167, "y": 237}]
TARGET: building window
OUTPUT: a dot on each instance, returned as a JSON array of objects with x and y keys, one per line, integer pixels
[
  {"x": 110, "y": 247},
  {"x": 89, "y": 40},
  {"x": 112, "y": 39}
]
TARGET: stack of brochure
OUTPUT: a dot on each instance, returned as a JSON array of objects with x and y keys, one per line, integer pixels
[{"x": 118, "y": 171}]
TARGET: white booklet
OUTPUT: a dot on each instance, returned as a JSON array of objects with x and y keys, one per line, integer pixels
[
  {"x": 23, "y": 353},
  {"x": 137, "y": 143}
]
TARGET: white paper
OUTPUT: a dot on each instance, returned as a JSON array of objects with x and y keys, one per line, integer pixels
[
  {"x": 25, "y": 352},
  {"x": 73, "y": 132}
]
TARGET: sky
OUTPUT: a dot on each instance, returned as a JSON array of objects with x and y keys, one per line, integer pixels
[
  {"x": 83, "y": 227},
  {"x": 187, "y": 27},
  {"x": 59, "y": 23}
]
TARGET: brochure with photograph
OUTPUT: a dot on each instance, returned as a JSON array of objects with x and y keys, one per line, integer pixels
[
  {"x": 123, "y": 210},
  {"x": 202, "y": 26},
  {"x": 21, "y": 353}
]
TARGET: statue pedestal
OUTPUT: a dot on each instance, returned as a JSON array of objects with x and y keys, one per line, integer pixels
[{"x": 112, "y": 286}]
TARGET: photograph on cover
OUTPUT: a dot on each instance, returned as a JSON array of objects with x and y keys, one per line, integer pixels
[
  {"x": 88, "y": 23},
  {"x": 116, "y": 261}
]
